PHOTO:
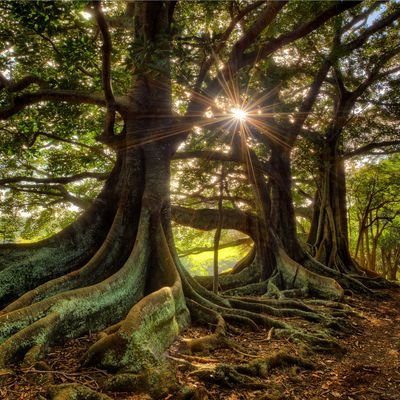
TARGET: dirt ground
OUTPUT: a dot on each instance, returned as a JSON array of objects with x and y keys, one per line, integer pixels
[{"x": 369, "y": 369}]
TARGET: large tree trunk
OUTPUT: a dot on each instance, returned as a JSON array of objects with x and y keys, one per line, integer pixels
[
  {"x": 283, "y": 218},
  {"x": 329, "y": 233},
  {"x": 134, "y": 260},
  {"x": 128, "y": 256},
  {"x": 278, "y": 251}
]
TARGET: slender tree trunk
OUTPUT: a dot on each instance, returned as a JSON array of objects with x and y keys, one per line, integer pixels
[
  {"x": 217, "y": 235},
  {"x": 362, "y": 249}
]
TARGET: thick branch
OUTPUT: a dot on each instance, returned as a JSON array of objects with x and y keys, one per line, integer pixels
[
  {"x": 96, "y": 150},
  {"x": 371, "y": 146},
  {"x": 375, "y": 74},
  {"x": 218, "y": 156},
  {"x": 225, "y": 36},
  {"x": 299, "y": 32},
  {"x": 378, "y": 25},
  {"x": 207, "y": 219},
  {"x": 70, "y": 96},
  {"x": 265, "y": 19},
  {"x": 58, "y": 191},
  {"x": 106, "y": 69},
  {"x": 200, "y": 199},
  {"x": 198, "y": 103},
  {"x": 312, "y": 94},
  {"x": 23, "y": 83},
  {"x": 55, "y": 180},
  {"x": 363, "y": 16}
]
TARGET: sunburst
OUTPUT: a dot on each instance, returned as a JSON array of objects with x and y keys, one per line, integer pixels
[{"x": 239, "y": 113}]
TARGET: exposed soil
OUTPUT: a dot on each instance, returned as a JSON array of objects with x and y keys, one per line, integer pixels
[{"x": 369, "y": 370}]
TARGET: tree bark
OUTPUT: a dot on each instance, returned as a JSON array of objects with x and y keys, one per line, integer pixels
[{"x": 283, "y": 219}]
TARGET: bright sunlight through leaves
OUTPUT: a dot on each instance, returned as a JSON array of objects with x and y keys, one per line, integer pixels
[{"x": 239, "y": 114}]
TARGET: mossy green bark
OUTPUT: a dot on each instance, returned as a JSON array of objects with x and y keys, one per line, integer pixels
[{"x": 150, "y": 327}]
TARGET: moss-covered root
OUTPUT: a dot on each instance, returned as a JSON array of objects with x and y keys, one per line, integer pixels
[
  {"x": 320, "y": 342},
  {"x": 209, "y": 342},
  {"x": 295, "y": 276},
  {"x": 30, "y": 343},
  {"x": 230, "y": 281},
  {"x": 158, "y": 382},
  {"x": 99, "y": 267},
  {"x": 141, "y": 340},
  {"x": 74, "y": 391},
  {"x": 151, "y": 325},
  {"x": 243, "y": 375}
]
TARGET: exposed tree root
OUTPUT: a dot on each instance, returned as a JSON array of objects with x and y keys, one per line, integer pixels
[
  {"x": 294, "y": 276},
  {"x": 244, "y": 375},
  {"x": 205, "y": 343},
  {"x": 74, "y": 391},
  {"x": 284, "y": 303},
  {"x": 359, "y": 283},
  {"x": 291, "y": 280},
  {"x": 99, "y": 267},
  {"x": 129, "y": 345},
  {"x": 24, "y": 267},
  {"x": 160, "y": 314},
  {"x": 320, "y": 342},
  {"x": 247, "y": 276},
  {"x": 146, "y": 298},
  {"x": 276, "y": 312},
  {"x": 157, "y": 381},
  {"x": 75, "y": 312},
  {"x": 251, "y": 289},
  {"x": 254, "y": 311}
]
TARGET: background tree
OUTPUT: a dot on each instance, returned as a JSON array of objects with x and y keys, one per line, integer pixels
[{"x": 373, "y": 192}]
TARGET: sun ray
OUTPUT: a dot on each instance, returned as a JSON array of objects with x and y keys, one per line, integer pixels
[{"x": 239, "y": 113}]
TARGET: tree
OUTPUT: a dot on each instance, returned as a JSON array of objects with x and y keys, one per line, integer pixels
[
  {"x": 328, "y": 234},
  {"x": 115, "y": 268},
  {"x": 390, "y": 251},
  {"x": 373, "y": 192},
  {"x": 347, "y": 40}
]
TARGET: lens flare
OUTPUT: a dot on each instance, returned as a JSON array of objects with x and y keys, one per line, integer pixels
[{"x": 238, "y": 113}]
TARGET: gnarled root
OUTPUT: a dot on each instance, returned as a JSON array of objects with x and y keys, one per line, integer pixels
[
  {"x": 243, "y": 375},
  {"x": 156, "y": 381},
  {"x": 295, "y": 276},
  {"x": 162, "y": 314},
  {"x": 316, "y": 342},
  {"x": 31, "y": 329},
  {"x": 25, "y": 266},
  {"x": 99, "y": 267},
  {"x": 132, "y": 347},
  {"x": 209, "y": 342},
  {"x": 74, "y": 391}
]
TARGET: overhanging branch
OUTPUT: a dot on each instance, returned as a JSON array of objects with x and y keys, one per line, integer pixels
[
  {"x": 371, "y": 146},
  {"x": 297, "y": 33},
  {"x": 55, "y": 180},
  {"x": 207, "y": 219},
  {"x": 70, "y": 96},
  {"x": 23, "y": 83}
]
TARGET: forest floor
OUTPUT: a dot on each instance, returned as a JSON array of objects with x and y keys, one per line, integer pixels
[{"x": 369, "y": 369}]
